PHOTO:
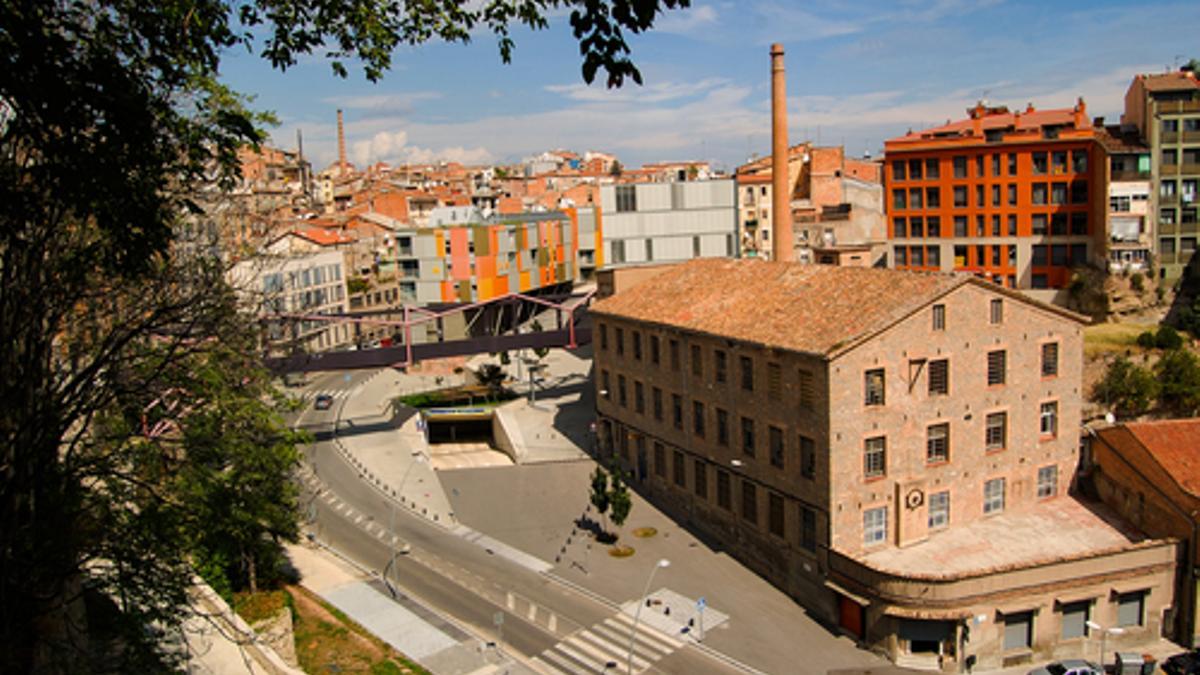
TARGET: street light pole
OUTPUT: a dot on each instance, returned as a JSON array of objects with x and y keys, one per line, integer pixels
[
  {"x": 1104, "y": 632},
  {"x": 638, "y": 612}
]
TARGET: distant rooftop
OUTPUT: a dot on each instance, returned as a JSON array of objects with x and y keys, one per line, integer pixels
[
  {"x": 1174, "y": 81},
  {"x": 983, "y": 118},
  {"x": 1175, "y": 445}
]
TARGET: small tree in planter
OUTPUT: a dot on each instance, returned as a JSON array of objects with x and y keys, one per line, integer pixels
[
  {"x": 599, "y": 495},
  {"x": 620, "y": 504}
]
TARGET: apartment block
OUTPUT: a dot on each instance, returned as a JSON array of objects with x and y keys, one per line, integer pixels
[
  {"x": 1016, "y": 198},
  {"x": 1130, "y": 218},
  {"x": 1165, "y": 108},
  {"x": 668, "y": 222},
  {"x": 301, "y": 285},
  {"x": 893, "y": 449}
]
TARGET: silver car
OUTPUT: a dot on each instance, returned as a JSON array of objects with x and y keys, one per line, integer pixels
[{"x": 1068, "y": 667}]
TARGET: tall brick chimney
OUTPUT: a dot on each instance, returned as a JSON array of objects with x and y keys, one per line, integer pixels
[
  {"x": 781, "y": 194},
  {"x": 341, "y": 145}
]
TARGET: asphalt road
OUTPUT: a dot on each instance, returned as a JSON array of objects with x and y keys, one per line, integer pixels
[{"x": 442, "y": 570}]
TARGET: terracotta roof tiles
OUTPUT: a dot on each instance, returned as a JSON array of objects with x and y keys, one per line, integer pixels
[{"x": 1175, "y": 444}]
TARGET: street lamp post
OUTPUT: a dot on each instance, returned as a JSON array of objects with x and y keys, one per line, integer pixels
[
  {"x": 1104, "y": 633},
  {"x": 638, "y": 612}
]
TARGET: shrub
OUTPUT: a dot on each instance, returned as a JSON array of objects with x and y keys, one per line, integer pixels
[
  {"x": 1127, "y": 388},
  {"x": 1167, "y": 338},
  {"x": 1179, "y": 377},
  {"x": 1146, "y": 340},
  {"x": 1137, "y": 282}
]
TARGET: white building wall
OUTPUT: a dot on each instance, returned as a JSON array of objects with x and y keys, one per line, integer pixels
[{"x": 672, "y": 216}]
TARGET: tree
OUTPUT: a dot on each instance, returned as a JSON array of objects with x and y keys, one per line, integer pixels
[
  {"x": 536, "y": 327},
  {"x": 491, "y": 376},
  {"x": 117, "y": 114},
  {"x": 619, "y": 499},
  {"x": 1127, "y": 389},
  {"x": 599, "y": 494},
  {"x": 1178, "y": 372}
]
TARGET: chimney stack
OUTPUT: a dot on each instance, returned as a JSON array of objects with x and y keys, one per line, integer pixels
[
  {"x": 341, "y": 145},
  {"x": 781, "y": 197}
]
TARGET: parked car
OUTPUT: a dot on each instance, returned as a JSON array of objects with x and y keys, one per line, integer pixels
[
  {"x": 1187, "y": 663},
  {"x": 323, "y": 402},
  {"x": 1068, "y": 667}
]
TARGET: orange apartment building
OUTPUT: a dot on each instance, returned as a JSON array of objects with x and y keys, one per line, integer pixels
[{"x": 1017, "y": 198}]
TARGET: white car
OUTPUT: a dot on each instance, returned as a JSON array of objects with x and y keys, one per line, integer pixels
[{"x": 1068, "y": 667}]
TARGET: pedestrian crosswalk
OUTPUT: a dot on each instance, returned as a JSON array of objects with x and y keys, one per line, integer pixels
[
  {"x": 335, "y": 394},
  {"x": 604, "y": 648}
]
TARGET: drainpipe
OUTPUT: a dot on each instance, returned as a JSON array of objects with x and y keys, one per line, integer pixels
[{"x": 1189, "y": 587}]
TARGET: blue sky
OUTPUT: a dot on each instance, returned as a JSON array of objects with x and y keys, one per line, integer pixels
[{"x": 858, "y": 72}]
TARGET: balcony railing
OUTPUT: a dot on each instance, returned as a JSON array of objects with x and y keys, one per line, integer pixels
[
  {"x": 1130, "y": 175},
  {"x": 1169, "y": 137},
  {"x": 1191, "y": 136},
  {"x": 1178, "y": 106},
  {"x": 1167, "y": 200},
  {"x": 1190, "y": 169}
]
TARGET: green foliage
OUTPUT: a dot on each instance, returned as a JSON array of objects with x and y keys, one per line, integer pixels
[
  {"x": 1137, "y": 282},
  {"x": 1167, "y": 338},
  {"x": 1146, "y": 340},
  {"x": 491, "y": 376},
  {"x": 598, "y": 494},
  {"x": 357, "y": 285},
  {"x": 536, "y": 327},
  {"x": 1128, "y": 389},
  {"x": 1178, "y": 373},
  {"x": 620, "y": 501}
]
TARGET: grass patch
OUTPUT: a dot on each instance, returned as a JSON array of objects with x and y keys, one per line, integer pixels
[
  {"x": 621, "y": 551},
  {"x": 254, "y": 607},
  {"x": 456, "y": 396},
  {"x": 327, "y": 641},
  {"x": 644, "y": 532},
  {"x": 1113, "y": 338}
]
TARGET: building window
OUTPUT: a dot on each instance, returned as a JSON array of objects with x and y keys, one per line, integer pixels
[
  {"x": 1050, "y": 359},
  {"x": 993, "y": 496},
  {"x": 723, "y": 496},
  {"x": 808, "y": 457},
  {"x": 722, "y": 427},
  {"x": 807, "y": 390},
  {"x": 701, "y": 478},
  {"x": 937, "y": 443},
  {"x": 621, "y": 398},
  {"x": 960, "y": 167},
  {"x": 774, "y": 381},
  {"x": 603, "y": 337},
  {"x": 997, "y": 311},
  {"x": 657, "y": 402},
  {"x": 899, "y": 199},
  {"x": 960, "y": 196},
  {"x": 660, "y": 460},
  {"x": 899, "y": 170},
  {"x": 677, "y": 411},
  {"x": 808, "y": 529},
  {"x": 605, "y": 390},
  {"x": 637, "y": 345},
  {"x": 1049, "y": 418},
  {"x": 654, "y": 349},
  {"x": 939, "y": 510},
  {"x": 996, "y": 432},
  {"x": 1018, "y": 630},
  {"x": 639, "y": 398},
  {"x": 775, "y": 514},
  {"x": 995, "y": 367},
  {"x": 747, "y": 436},
  {"x": 673, "y": 347},
  {"x": 1075, "y": 616},
  {"x": 874, "y": 387},
  {"x": 747, "y": 373},
  {"x": 749, "y": 502},
  {"x": 901, "y": 255},
  {"x": 697, "y": 361},
  {"x": 626, "y": 198},
  {"x": 1131, "y": 608},
  {"x": 698, "y": 418},
  {"x": 679, "y": 471},
  {"x": 875, "y": 457},
  {"x": 874, "y": 526},
  {"x": 939, "y": 317},
  {"x": 1047, "y": 481},
  {"x": 620, "y": 342},
  {"x": 939, "y": 377},
  {"x": 775, "y": 442},
  {"x": 719, "y": 367}
]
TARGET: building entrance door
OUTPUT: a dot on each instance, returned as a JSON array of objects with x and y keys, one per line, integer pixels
[
  {"x": 850, "y": 616},
  {"x": 641, "y": 458}
]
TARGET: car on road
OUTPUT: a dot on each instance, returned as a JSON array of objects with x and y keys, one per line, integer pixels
[
  {"x": 323, "y": 402},
  {"x": 1068, "y": 667}
]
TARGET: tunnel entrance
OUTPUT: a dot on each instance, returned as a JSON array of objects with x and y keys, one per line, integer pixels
[
  {"x": 444, "y": 430},
  {"x": 462, "y": 438}
]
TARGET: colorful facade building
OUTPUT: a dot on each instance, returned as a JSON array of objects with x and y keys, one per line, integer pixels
[{"x": 1017, "y": 198}]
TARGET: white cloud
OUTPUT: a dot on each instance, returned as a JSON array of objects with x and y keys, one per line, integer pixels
[
  {"x": 692, "y": 21},
  {"x": 658, "y": 92},
  {"x": 393, "y": 148},
  {"x": 382, "y": 104}
]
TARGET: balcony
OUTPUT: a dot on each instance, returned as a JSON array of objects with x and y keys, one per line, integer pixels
[
  {"x": 1118, "y": 176},
  {"x": 1190, "y": 169},
  {"x": 1168, "y": 107},
  {"x": 1191, "y": 136},
  {"x": 1168, "y": 137}
]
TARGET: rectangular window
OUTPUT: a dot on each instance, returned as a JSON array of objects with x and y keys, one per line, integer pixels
[
  {"x": 749, "y": 502},
  {"x": 995, "y": 435},
  {"x": 874, "y": 387},
  {"x": 603, "y": 337},
  {"x": 1050, "y": 359},
  {"x": 939, "y": 510},
  {"x": 1040, "y": 223},
  {"x": 775, "y": 442},
  {"x": 657, "y": 402},
  {"x": 1018, "y": 630},
  {"x": 654, "y": 349},
  {"x": 747, "y": 436},
  {"x": 722, "y": 427},
  {"x": 960, "y": 167},
  {"x": 899, "y": 199},
  {"x": 679, "y": 471},
  {"x": 875, "y": 457},
  {"x": 775, "y": 514},
  {"x": 620, "y": 342},
  {"x": 937, "y": 443},
  {"x": 993, "y": 496},
  {"x": 1047, "y": 481},
  {"x": 808, "y": 457},
  {"x": 774, "y": 381},
  {"x": 914, "y": 198},
  {"x": 874, "y": 526},
  {"x": 807, "y": 390},
  {"x": 979, "y": 166},
  {"x": 1012, "y": 164},
  {"x": 701, "y": 479},
  {"x": 673, "y": 347},
  {"x": 1074, "y": 619},
  {"x": 933, "y": 199},
  {"x": 899, "y": 170},
  {"x": 808, "y": 529},
  {"x": 939, "y": 317},
  {"x": 697, "y": 361},
  {"x": 1058, "y": 194},
  {"x": 747, "y": 373},
  {"x": 1012, "y": 195},
  {"x": 996, "y": 164},
  {"x": 960, "y": 196},
  {"x": 1049, "y": 418},
  {"x": 995, "y": 195},
  {"x": 626, "y": 198},
  {"x": 1131, "y": 608},
  {"x": 931, "y": 168},
  {"x": 960, "y": 226},
  {"x": 637, "y": 345},
  {"x": 997, "y": 311},
  {"x": 939, "y": 377},
  {"x": 639, "y": 398},
  {"x": 719, "y": 365},
  {"x": 660, "y": 460},
  {"x": 621, "y": 398},
  {"x": 901, "y": 254},
  {"x": 723, "y": 497},
  {"x": 698, "y": 418},
  {"x": 899, "y": 228},
  {"x": 1039, "y": 163},
  {"x": 677, "y": 411},
  {"x": 1040, "y": 193},
  {"x": 934, "y": 228},
  {"x": 995, "y": 367}
]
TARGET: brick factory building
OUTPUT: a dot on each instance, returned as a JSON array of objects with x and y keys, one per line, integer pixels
[
  {"x": 893, "y": 449},
  {"x": 1018, "y": 198}
]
